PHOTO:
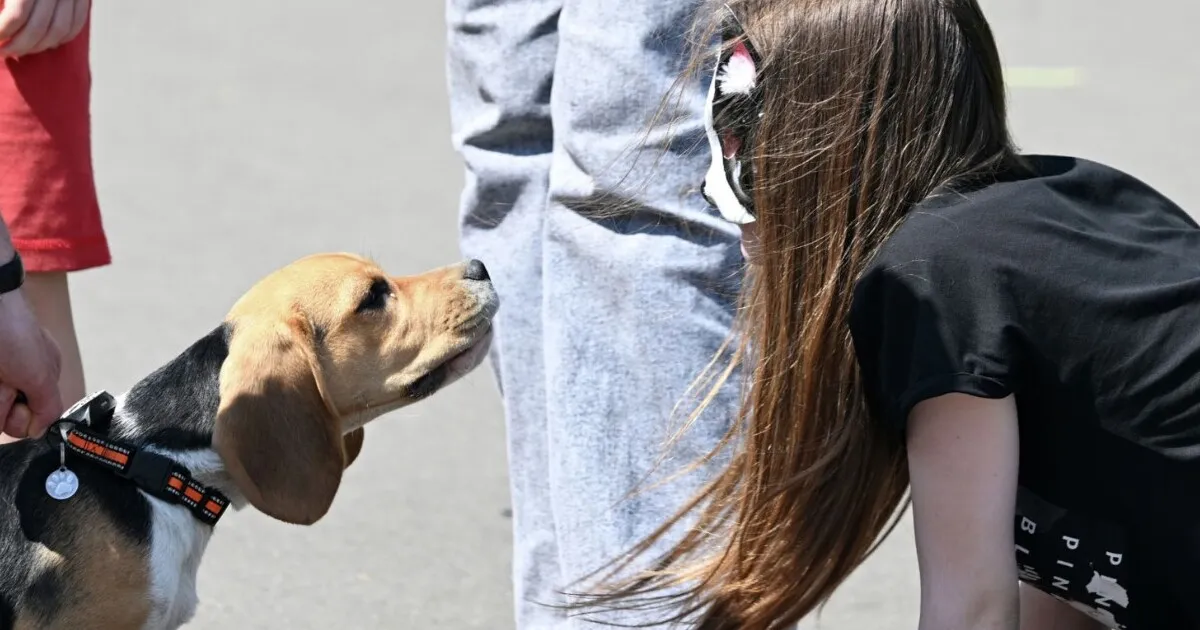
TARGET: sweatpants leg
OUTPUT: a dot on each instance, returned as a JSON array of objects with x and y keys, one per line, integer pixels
[
  {"x": 634, "y": 305},
  {"x": 500, "y": 66},
  {"x": 604, "y": 322}
]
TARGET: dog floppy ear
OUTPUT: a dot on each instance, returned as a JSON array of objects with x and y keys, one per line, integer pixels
[
  {"x": 352, "y": 443},
  {"x": 276, "y": 432}
]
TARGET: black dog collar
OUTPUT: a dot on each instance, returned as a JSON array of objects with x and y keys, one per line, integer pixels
[{"x": 158, "y": 475}]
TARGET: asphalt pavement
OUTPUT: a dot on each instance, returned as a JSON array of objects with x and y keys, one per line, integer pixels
[{"x": 233, "y": 137}]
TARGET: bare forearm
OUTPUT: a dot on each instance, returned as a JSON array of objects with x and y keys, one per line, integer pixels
[
  {"x": 986, "y": 623},
  {"x": 1039, "y": 611},
  {"x": 963, "y": 461},
  {"x": 999, "y": 612}
]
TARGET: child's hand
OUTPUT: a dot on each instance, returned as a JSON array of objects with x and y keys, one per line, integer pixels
[{"x": 31, "y": 26}]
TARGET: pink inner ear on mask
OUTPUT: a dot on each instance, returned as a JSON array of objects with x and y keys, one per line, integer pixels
[
  {"x": 740, "y": 50},
  {"x": 730, "y": 145},
  {"x": 739, "y": 76}
]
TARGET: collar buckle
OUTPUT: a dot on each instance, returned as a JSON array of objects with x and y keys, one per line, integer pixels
[
  {"x": 95, "y": 412},
  {"x": 149, "y": 471}
]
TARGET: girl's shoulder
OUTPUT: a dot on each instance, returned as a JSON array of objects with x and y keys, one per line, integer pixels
[
  {"x": 973, "y": 278},
  {"x": 1055, "y": 207}
]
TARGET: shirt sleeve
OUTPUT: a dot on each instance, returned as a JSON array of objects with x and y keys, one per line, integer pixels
[{"x": 932, "y": 325}]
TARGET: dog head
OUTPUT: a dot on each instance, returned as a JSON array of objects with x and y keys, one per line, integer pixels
[{"x": 323, "y": 346}]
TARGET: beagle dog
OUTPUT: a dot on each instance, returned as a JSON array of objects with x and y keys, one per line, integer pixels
[{"x": 265, "y": 410}]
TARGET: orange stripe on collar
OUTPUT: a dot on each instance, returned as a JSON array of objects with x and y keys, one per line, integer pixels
[
  {"x": 158, "y": 475},
  {"x": 98, "y": 449}
]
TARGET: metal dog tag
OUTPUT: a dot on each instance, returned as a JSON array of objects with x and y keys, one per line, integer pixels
[{"x": 62, "y": 483}]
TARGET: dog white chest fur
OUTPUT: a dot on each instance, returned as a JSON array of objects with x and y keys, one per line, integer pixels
[{"x": 177, "y": 544}]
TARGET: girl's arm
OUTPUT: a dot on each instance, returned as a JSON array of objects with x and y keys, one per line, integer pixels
[
  {"x": 1039, "y": 611},
  {"x": 962, "y": 453}
]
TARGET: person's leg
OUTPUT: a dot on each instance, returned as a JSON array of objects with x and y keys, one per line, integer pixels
[
  {"x": 50, "y": 297},
  {"x": 501, "y": 63},
  {"x": 636, "y": 305},
  {"x": 47, "y": 190}
]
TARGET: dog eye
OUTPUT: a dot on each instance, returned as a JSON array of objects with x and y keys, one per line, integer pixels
[{"x": 376, "y": 297}]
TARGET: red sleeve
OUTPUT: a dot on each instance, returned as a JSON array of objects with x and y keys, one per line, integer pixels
[{"x": 47, "y": 187}]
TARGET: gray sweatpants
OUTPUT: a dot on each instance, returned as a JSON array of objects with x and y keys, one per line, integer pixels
[{"x": 604, "y": 322}]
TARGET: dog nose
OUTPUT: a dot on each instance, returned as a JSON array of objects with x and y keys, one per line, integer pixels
[{"x": 476, "y": 271}]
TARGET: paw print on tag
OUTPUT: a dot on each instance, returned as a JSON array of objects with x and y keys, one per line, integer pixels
[{"x": 62, "y": 484}]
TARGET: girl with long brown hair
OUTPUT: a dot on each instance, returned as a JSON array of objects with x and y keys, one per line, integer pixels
[{"x": 1010, "y": 341}]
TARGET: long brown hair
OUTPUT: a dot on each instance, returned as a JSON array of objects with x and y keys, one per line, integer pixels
[{"x": 869, "y": 106}]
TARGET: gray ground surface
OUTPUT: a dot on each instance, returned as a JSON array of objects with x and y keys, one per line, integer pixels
[{"x": 233, "y": 137}]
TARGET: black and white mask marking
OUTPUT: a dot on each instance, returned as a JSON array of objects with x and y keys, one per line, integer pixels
[{"x": 732, "y": 111}]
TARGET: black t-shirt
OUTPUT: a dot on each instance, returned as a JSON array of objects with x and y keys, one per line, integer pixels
[{"x": 1076, "y": 288}]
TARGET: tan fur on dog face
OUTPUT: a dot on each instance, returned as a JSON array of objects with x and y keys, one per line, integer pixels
[
  {"x": 416, "y": 323},
  {"x": 320, "y": 348}
]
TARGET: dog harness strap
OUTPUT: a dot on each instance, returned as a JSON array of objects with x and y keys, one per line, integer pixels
[{"x": 156, "y": 474}]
